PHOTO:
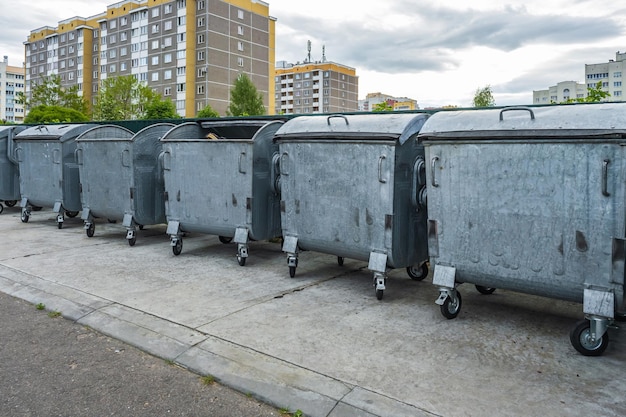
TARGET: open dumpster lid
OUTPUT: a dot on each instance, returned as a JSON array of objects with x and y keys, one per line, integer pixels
[
  {"x": 571, "y": 121},
  {"x": 235, "y": 128},
  {"x": 372, "y": 126}
]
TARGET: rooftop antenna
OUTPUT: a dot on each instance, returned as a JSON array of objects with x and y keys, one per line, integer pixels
[
  {"x": 323, "y": 53},
  {"x": 309, "y": 49}
]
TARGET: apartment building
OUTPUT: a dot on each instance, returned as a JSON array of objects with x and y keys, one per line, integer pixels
[
  {"x": 560, "y": 92},
  {"x": 190, "y": 51},
  {"x": 12, "y": 80},
  {"x": 397, "y": 103},
  {"x": 610, "y": 75},
  {"x": 315, "y": 87}
]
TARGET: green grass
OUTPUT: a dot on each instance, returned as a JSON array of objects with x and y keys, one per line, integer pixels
[
  {"x": 208, "y": 379},
  {"x": 41, "y": 306}
]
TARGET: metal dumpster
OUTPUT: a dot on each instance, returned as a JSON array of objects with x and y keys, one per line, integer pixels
[
  {"x": 531, "y": 200},
  {"x": 354, "y": 186},
  {"x": 121, "y": 178},
  {"x": 9, "y": 168},
  {"x": 48, "y": 169},
  {"x": 220, "y": 179}
]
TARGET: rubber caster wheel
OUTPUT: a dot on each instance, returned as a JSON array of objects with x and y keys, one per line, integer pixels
[
  {"x": 379, "y": 294},
  {"x": 90, "y": 230},
  {"x": 292, "y": 271},
  {"x": 1, "y": 208},
  {"x": 225, "y": 240},
  {"x": 340, "y": 260},
  {"x": 10, "y": 203},
  {"x": 178, "y": 247},
  {"x": 141, "y": 227},
  {"x": 451, "y": 308},
  {"x": 242, "y": 261},
  {"x": 485, "y": 290},
  {"x": 25, "y": 217},
  {"x": 417, "y": 273},
  {"x": 71, "y": 214},
  {"x": 132, "y": 241},
  {"x": 60, "y": 225},
  {"x": 580, "y": 338}
]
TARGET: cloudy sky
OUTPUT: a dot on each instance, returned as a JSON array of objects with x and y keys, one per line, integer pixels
[{"x": 437, "y": 52}]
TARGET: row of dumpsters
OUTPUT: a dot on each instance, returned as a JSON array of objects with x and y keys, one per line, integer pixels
[{"x": 528, "y": 199}]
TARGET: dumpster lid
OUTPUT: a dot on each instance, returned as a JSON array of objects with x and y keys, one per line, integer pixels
[
  {"x": 370, "y": 126},
  {"x": 105, "y": 133},
  {"x": 569, "y": 121},
  {"x": 62, "y": 133},
  {"x": 233, "y": 129}
]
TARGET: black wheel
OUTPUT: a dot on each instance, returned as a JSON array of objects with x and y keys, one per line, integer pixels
[
  {"x": 10, "y": 203},
  {"x": 71, "y": 214},
  {"x": 141, "y": 227},
  {"x": 37, "y": 208},
  {"x": 485, "y": 290},
  {"x": 225, "y": 239},
  {"x": 621, "y": 317},
  {"x": 132, "y": 241},
  {"x": 60, "y": 225},
  {"x": 90, "y": 230},
  {"x": 242, "y": 261},
  {"x": 178, "y": 247},
  {"x": 379, "y": 294},
  {"x": 340, "y": 260},
  {"x": 417, "y": 273},
  {"x": 25, "y": 218},
  {"x": 580, "y": 338},
  {"x": 292, "y": 271},
  {"x": 1, "y": 208},
  {"x": 451, "y": 308}
]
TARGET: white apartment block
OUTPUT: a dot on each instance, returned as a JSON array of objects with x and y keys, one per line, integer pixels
[
  {"x": 397, "y": 103},
  {"x": 11, "y": 83},
  {"x": 609, "y": 74},
  {"x": 559, "y": 93}
]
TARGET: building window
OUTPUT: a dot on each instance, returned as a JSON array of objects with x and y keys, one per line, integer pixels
[
  {"x": 155, "y": 44},
  {"x": 617, "y": 84},
  {"x": 167, "y": 41},
  {"x": 167, "y": 74},
  {"x": 155, "y": 28},
  {"x": 123, "y": 21},
  {"x": 181, "y": 70},
  {"x": 201, "y": 38},
  {"x": 617, "y": 74},
  {"x": 180, "y": 104},
  {"x": 155, "y": 60},
  {"x": 240, "y": 14},
  {"x": 200, "y": 55},
  {"x": 123, "y": 66},
  {"x": 240, "y": 46},
  {"x": 240, "y": 61},
  {"x": 201, "y": 89},
  {"x": 167, "y": 25},
  {"x": 123, "y": 36},
  {"x": 200, "y": 21},
  {"x": 181, "y": 4},
  {"x": 167, "y": 58},
  {"x": 617, "y": 93},
  {"x": 167, "y": 91},
  {"x": 200, "y": 4},
  {"x": 155, "y": 12},
  {"x": 123, "y": 51},
  {"x": 112, "y": 68},
  {"x": 182, "y": 20},
  {"x": 240, "y": 30},
  {"x": 180, "y": 87},
  {"x": 181, "y": 37},
  {"x": 167, "y": 9},
  {"x": 155, "y": 76}
]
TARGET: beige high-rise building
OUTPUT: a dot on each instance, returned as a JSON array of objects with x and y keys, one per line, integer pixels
[
  {"x": 315, "y": 87},
  {"x": 12, "y": 81},
  {"x": 190, "y": 51}
]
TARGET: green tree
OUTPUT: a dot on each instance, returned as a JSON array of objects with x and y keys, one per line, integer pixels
[
  {"x": 244, "y": 98},
  {"x": 160, "y": 109},
  {"x": 208, "y": 111},
  {"x": 483, "y": 97},
  {"x": 54, "y": 114},
  {"x": 123, "y": 98},
  {"x": 382, "y": 106},
  {"x": 48, "y": 91}
]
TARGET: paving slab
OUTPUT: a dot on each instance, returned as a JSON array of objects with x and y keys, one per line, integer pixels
[{"x": 319, "y": 342}]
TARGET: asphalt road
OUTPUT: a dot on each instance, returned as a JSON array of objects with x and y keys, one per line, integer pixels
[{"x": 52, "y": 367}]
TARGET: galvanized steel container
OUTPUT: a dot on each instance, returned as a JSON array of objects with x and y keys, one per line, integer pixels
[
  {"x": 9, "y": 167},
  {"x": 121, "y": 178},
  {"x": 220, "y": 179},
  {"x": 48, "y": 169},
  {"x": 531, "y": 200},
  {"x": 353, "y": 186}
]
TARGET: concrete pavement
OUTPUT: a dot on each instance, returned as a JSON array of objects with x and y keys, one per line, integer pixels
[{"x": 319, "y": 342}]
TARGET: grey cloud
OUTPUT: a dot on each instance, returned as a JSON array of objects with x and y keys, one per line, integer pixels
[{"x": 429, "y": 41}]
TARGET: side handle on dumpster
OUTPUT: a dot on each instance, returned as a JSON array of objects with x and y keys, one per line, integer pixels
[
  {"x": 419, "y": 180},
  {"x": 433, "y": 163},
  {"x": 605, "y": 178}
]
